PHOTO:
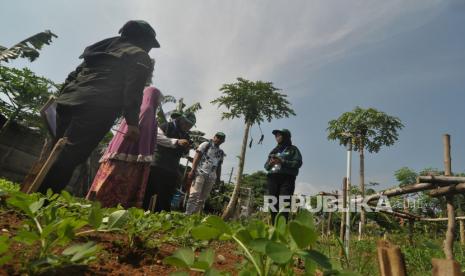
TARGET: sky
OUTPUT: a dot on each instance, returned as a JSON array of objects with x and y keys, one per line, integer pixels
[{"x": 403, "y": 57}]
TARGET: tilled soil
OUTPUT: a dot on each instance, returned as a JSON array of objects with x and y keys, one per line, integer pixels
[{"x": 115, "y": 257}]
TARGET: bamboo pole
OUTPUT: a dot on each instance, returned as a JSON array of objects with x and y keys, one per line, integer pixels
[
  {"x": 443, "y": 179},
  {"x": 449, "y": 190},
  {"x": 449, "y": 241},
  {"x": 443, "y": 267},
  {"x": 402, "y": 190},
  {"x": 47, "y": 165},
  {"x": 343, "y": 214},
  {"x": 390, "y": 259}
]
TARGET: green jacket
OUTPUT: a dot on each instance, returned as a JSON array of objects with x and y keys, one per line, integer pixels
[
  {"x": 291, "y": 162},
  {"x": 113, "y": 74}
]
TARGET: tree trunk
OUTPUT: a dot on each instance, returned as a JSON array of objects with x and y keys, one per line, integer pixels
[
  {"x": 8, "y": 122},
  {"x": 229, "y": 211},
  {"x": 362, "y": 189},
  {"x": 461, "y": 226}
]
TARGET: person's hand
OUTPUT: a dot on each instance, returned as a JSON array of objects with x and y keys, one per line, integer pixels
[
  {"x": 183, "y": 143},
  {"x": 132, "y": 134},
  {"x": 274, "y": 161}
]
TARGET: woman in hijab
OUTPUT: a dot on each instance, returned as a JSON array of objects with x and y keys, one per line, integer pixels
[
  {"x": 125, "y": 165},
  {"x": 282, "y": 165}
]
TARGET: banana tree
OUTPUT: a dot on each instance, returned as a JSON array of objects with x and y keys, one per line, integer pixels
[{"x": 27, "y": 48}]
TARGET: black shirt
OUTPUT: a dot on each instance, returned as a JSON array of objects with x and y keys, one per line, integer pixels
[{"x": 113, "y": 74}]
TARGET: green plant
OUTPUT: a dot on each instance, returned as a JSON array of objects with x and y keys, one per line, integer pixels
[
  {"x": 27, "y": 48},
  {"x": 23, "y": 95},
  {"x": 270, "y": 250},
  {"x": 185, "y": 258},
  {"x": 49, "y": 227},
  {"x": 4, "y": 246},
  {"x": 254, "y": 102}
]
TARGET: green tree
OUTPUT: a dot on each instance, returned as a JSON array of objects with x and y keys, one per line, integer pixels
[
  {"x": 257, "y": 182},
  {"x": 23, "y": 93},
  {"x": 405, "y": 176},
  {"x": 27, "y": 48},
  {"x": 254, "y": 102},
  {"x": 369, "y": 129}
]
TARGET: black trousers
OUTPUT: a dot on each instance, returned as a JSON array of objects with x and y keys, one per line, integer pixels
[
  {"x": 280, "y": 185},
  {"x": 85, "y": 127},
  {"x": 163, "y": 183}
]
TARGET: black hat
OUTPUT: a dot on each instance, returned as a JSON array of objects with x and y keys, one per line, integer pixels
[
  {"x": 139, "y": 29},
  {"x": 283, "y": 132},
  {"x": 221, "y": 135}
]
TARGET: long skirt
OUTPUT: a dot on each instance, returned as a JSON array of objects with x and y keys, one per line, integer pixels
[{"x": 120, "y": 182}]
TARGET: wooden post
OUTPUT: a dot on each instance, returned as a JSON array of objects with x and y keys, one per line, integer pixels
[
  {"x": 330, "y": 216},
  {"x": 462, "y": 228},
  {"x": 411, "y": 227},
  {"x": 38, "y": 164},
  {"x": 442, "y": 267},
  {"x": 390, "y": 259},
  {"x": 47, "y": 165},
  {"x": 152, "y": 203},
  {"x": 343, "y": 214},
  {"x": 449, "y": 241}
]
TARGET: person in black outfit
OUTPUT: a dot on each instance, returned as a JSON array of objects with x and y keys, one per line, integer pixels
[
  {"x": 173, "y": 142},
  {"x": 282, "y": 165},
  {"x": 109, "y": 82}
]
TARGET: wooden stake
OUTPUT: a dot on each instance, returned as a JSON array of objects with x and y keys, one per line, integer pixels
[
  {"x": 152, "y": 202},
  {"x": 441, "y": 179},
  {"x": 443, "y": 267},
  {"x": 449, "y": 190},
  {"x": 38, "y": 164},
  {"x": 449, "y": 241},
  {"x": 47, "y": 165},
  {"x": 343, "y": 214},
  {"x": 390, "y": 259}
]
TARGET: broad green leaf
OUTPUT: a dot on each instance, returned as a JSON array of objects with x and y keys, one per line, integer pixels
[
  {"x": 257, "y": 229},
  {"x": 258, "y": 245},
  {"x": 176, "y": 262},
  {"x": 117, "y": 219},
  {"x": 203, "y": 232},
  {"x": 302, "y": 235},
  {"x": 35, "y": 206},
  {"x": 186, "y": 255},
  {"x": 278, "y": 252},
  {"x": 208, "y": 256},
  {"x": 66, "y": 196},
  {"x": 80, "y": 251},
  {"x": 280, "y": 224},
  {"x": 85, "y": 254},
  {"x": 27, "y": 237},
  {"x": 243, "y": 235},
  {"x": 200, "y": 265},
  {"x": 95, "y": 216},
  {"x": 218, "y": 224},
  {"x": 305, "y": 218},
  {"x": 21, "y": 202},
  {"x": 318, "y": 258}
]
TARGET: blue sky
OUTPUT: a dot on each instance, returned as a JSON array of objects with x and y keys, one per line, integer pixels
[{"x": 405, "y": 58}]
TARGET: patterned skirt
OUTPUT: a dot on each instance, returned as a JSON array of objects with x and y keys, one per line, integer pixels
[{"x": 120, "y": 182}]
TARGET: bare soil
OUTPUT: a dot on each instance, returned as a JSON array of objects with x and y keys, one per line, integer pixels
[{"x": 115, "y": 256}]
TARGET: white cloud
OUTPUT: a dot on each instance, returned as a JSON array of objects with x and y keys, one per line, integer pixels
[{"x": 308, "y": 189}]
